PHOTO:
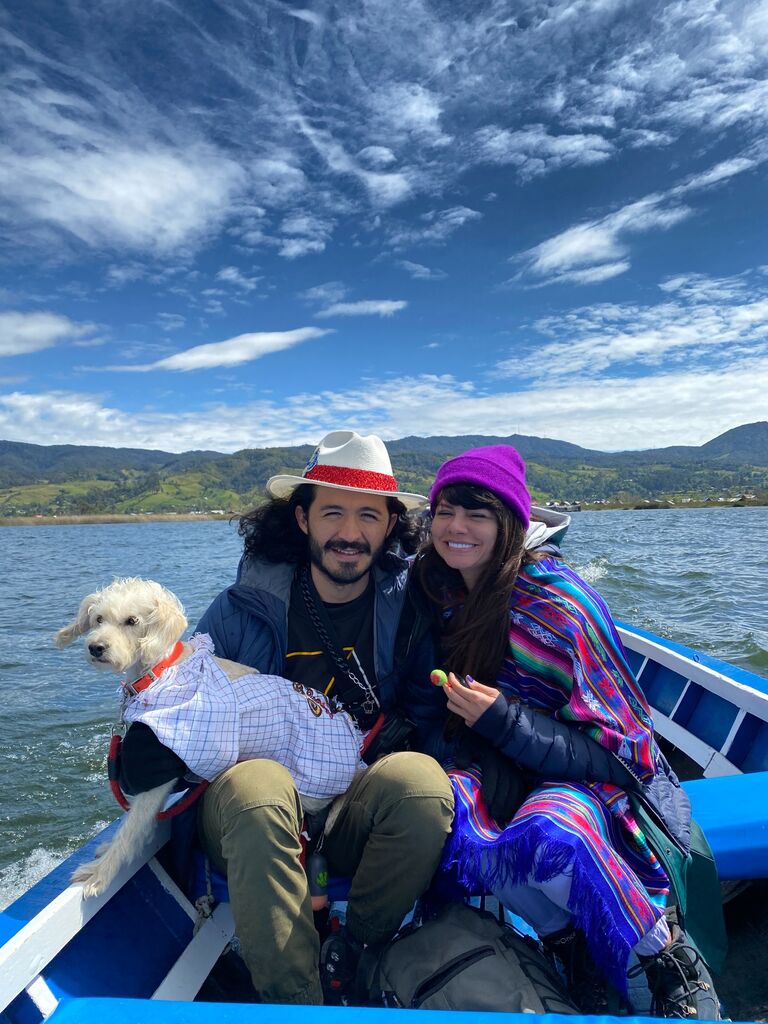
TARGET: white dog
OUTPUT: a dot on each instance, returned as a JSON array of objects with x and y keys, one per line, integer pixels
[{"x": 212, "y": 713}]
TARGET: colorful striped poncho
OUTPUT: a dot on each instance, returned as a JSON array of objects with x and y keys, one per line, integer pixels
[{"x": 566, "y": 660}]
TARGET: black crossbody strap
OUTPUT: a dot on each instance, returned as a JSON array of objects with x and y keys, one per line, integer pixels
[{"x": 321, "y": 621}]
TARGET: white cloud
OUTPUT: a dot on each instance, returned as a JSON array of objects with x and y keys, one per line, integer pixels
[
  {"x": 710, "y": 322},
  {"x": 302, "y": 14},
  {"x": 282, "y": 107},
  {"x": 376, "y": 157},
  {"x": 387, "y": 189},
  {"x": 331, "y": 291},
  {"x": 638, "y": 138},
  {"x": 384, "y": 188},
  {"x": 408, "y": 109},
  {"x": 703, "y": 288},
  {"x": 675, "y": 407},
  {"x": 231, "y": 275},
  {"x": 170, "y": 321},
  {"x": 720, "y": 172},
  {"x": 277, "y": 180},
  {"x": 599, "y": 249},
  {"x": 242, "y": 349},
  {"x": 421, "y": 273},
  {"x": 439, "y": 225},
  {"x": 117, "y": 276},
  {"x": 534, "y": 151},
  {"x": 142, "y": 197},
  {"x": 366, "y": 307},
  {"x": 716, "y": 105},
  {"x": 303, "y": 233},
  {"x": 292, "y": 248},
  {"x": 21, "y": 333}
]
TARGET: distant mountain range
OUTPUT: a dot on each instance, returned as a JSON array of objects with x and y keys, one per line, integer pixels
[{"x": 80, "y": 479}]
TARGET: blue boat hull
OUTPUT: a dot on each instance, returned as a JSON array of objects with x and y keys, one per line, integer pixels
[{"x": 86, "y": 960}]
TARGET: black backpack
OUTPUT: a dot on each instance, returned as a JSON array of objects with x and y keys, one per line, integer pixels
[{"x": 464, "y": 959}]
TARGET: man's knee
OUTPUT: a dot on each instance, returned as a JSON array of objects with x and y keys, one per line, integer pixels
[
  {"x": 257, "y": 795},
  {"x": 409, "y": 793},
  {"x": 408, "y": 774},
  {"x": 252, "y": 784}
]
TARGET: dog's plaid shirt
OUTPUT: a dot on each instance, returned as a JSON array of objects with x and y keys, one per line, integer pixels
[{"x": 212, "y": 722}]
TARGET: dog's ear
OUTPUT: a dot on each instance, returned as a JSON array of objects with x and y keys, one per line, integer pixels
[
  {"x": 164, "y": 625},
  {"x": 81, "y": 624}
]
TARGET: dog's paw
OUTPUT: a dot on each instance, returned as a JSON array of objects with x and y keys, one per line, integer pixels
[{"x": 92, "y": 877}]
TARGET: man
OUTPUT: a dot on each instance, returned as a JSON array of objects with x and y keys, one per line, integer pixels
[{"x": 318, "y": 597}]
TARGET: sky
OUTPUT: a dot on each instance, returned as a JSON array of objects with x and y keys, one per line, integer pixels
[{"x": 244, "y": 223}]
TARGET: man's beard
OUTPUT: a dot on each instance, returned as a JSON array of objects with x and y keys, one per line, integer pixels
[{"x": 347, "y": 573}]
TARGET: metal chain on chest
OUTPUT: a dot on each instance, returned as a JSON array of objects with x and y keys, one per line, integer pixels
[{"x": 371, "y": 702}]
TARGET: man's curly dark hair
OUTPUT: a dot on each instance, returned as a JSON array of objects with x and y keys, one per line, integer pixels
[{"x": 271, "y": 533}]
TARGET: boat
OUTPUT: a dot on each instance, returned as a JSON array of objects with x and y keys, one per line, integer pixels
[{"x": 146, "y": 950}]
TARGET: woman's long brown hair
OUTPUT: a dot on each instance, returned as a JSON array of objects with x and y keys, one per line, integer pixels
[{"x": 477, "y": 635}]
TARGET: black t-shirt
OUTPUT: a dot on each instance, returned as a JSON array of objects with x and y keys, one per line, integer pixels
[{"x": 307, "y": 662}]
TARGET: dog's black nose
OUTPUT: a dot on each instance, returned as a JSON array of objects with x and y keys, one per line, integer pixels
[{"x": 96, "y": 650}]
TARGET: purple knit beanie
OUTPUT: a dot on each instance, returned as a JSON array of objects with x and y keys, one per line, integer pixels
[{"x": 498, "y": 468}]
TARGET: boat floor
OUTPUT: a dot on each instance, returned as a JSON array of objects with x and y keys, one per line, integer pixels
[{"x": 743, "y": 986}]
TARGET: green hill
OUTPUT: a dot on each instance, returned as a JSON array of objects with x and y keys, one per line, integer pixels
[{"x": 78, "y": 480}]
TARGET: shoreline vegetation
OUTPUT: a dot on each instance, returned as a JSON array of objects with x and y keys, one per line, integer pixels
[
  {"x": 82, "y": 484},
  {"x": 191, "y": 517},
  {"x": 116, "y": 517}
]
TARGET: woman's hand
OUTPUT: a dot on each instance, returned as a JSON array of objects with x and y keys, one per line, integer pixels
[{"x": 471, "y": 701}]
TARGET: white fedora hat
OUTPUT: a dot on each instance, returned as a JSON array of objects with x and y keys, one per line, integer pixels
[{"x": 347, "y": 461}]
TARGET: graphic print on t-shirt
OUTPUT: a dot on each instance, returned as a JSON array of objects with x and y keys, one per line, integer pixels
[{"x": 308, "y": 663}]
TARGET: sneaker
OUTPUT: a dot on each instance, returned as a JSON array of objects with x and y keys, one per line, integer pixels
[
  {"x": 679, "y": 981},
  {"x": 586, "y": 984},
  {"x": 339, "y": 958}
]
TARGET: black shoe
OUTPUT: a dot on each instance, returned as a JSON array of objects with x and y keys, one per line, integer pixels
[
  {"x": 339, "y": 959},
  {"x": 680, "y": 984},
  {"x": 586, "y": 984}
]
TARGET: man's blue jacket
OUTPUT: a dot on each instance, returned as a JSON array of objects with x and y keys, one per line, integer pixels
[{"x": 248, "y": 622}]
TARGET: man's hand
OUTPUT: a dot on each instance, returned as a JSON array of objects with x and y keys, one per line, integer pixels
[{"x": 471, "y": 701}]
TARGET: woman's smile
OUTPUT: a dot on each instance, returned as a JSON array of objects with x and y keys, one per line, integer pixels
[{"x": 464, "y": 538}]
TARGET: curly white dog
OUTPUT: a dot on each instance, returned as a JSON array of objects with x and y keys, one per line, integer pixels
[{"x": 212, "y": 713}]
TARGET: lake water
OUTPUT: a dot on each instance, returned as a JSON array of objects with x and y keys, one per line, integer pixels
[{"x": 695, "y": 575}]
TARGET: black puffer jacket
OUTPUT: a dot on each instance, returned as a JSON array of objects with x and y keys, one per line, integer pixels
[{"x": 543, "y": 746}]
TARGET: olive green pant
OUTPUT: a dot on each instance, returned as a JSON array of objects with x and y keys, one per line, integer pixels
[{"x": 388, "y": 837}]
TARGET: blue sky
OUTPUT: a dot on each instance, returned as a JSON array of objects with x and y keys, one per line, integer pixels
[{"x": 235, "y": 223}]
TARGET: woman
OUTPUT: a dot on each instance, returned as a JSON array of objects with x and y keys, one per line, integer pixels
[{"x": 581, "y": 857}]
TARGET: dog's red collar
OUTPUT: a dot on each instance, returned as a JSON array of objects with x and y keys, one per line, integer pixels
[{"x": 155, "y": 672}]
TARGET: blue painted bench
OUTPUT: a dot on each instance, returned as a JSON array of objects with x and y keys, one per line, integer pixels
[{"x": 732, "y": 810}]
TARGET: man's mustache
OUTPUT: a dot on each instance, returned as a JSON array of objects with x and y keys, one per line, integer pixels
[{"x": 339, "y": 545}]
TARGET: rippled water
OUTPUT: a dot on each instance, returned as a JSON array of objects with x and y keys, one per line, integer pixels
[{"x": 695, "y": 575}]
